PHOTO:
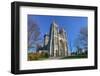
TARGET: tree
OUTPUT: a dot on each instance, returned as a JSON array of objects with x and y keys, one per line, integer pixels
[
  {"x": 84, "y": 37},
  {"x": 81, "y": 41},
  {"x": 38, "y": 47},
  {"x": 33, "y": 33}
]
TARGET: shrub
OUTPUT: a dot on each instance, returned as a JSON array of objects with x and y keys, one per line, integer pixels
[{"x": 37, "y": 56}]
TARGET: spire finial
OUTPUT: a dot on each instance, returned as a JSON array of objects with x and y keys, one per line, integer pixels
[{"x": 54, "y": 23}]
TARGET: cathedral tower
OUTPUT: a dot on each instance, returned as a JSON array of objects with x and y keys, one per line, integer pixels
[{"x": 57, "y": 41}]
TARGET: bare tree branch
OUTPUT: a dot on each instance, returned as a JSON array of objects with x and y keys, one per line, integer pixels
[
  {"x": 81, "y": 41},
  {"x": 33, "y": 33}
]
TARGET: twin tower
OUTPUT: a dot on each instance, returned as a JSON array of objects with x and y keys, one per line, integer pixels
[{"x": 56, "y": 41}]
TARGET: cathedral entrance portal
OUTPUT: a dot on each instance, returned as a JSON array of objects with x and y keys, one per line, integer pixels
[{"x": 62, "y": 48}]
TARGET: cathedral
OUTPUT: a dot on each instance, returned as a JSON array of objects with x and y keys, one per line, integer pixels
[{"x": 55, "y": 42}]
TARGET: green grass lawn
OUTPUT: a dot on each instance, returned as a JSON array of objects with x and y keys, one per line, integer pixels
[
  {"x": 44, "y": 56},
  {"x": 75, "y": 57}
]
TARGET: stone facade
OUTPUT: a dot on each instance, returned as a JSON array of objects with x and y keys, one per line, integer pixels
[{"x": 56, "y": 42}]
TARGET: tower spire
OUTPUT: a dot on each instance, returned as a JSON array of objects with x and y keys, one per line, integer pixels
[{"x": 54, "y": 23}]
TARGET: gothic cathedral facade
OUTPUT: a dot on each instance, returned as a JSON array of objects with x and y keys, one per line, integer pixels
[{"x": 56, "y": 42}]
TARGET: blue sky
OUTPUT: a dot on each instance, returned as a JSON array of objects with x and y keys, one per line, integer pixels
[{"x": 71, "y": 25}]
